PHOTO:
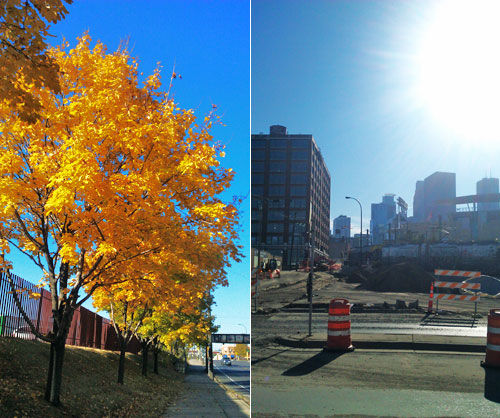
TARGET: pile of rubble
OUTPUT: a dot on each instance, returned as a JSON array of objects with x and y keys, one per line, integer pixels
[{"x": 403, "y": 277}]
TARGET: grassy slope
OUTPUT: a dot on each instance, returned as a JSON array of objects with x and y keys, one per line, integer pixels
[{"x": 89, "y": 383}]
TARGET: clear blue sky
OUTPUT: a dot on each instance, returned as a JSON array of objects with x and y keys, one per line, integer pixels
[
  {"x": 386, "y": 109},
  {"x": 209, "y": 42}
]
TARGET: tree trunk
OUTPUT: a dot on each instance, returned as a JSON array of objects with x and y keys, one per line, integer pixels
[
  {"x": 121, "y": 363},
  {"x": 48, "y": 386},
  {"x": 155, "y": 356},
  {"x": 145, "y": 350},
  {"x": 59, "y": 348}
]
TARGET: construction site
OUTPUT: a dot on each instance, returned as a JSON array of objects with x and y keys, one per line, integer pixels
[{"x": 422, "y": 347}]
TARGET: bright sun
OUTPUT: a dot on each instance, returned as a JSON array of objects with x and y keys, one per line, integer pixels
[{"x": 459, "y": 68}]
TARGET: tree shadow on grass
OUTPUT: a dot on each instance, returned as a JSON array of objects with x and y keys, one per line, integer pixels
[{"x": 314, "y": 363}]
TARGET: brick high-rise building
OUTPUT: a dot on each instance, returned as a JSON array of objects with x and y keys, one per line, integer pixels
[{"x": 290, "y": 195}]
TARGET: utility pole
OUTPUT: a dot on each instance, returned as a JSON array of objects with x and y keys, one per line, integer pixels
[{"x": 360, "y": 229}]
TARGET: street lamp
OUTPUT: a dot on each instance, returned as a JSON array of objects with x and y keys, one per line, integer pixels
[
  {"x": 361, "y": 229},
  {"x": 243, "y": 327}
]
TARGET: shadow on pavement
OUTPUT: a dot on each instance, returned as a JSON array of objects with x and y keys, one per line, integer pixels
[
  {"x": 442, "y": 321},
  {"x": 314, "y": 363},
  {"x": 203, "y": 397},
  {"x": 268, "y": 357},
  {"x": 492, "y": 384}
]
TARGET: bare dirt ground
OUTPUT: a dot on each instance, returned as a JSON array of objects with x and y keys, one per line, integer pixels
[{"x": 288, "y": 294}]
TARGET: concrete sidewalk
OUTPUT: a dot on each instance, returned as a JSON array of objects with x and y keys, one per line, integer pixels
[
  {"x": 393, "y": 341},
  {"x": 205, "y": 398}
]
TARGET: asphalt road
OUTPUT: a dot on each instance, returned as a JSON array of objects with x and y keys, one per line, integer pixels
[
  {"x": 236, "y": 376},
  {"x": 296, "y": 382},
  {"x": 305, "y": 382}
]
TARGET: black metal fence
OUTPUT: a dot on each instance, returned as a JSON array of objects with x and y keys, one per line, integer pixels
[{"x": 88, "y": 329}]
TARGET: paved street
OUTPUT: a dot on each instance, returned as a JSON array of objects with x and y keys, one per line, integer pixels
[
  {"x": 288, "y": 382},
  {"x": 292, "y": 375},
  {"x": 236, "y": 377}
]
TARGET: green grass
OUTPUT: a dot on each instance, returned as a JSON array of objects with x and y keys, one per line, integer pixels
[{"x": 89, "y": 386}]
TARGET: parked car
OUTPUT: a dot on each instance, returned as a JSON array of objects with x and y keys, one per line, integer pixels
[
  {"x": 23, "y": 333},
  {"x": 226, "y": 361}
]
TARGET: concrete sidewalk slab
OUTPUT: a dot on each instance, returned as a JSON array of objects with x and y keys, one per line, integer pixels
[
  {"x": 205, "y": 398},
  {"x": 393, "y": 341}
]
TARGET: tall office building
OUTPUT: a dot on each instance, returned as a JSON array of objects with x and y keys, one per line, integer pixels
[
  {"x": 381, "y": 214},
  {"x": 487, "y": 186},
  {"x": 290, "y": 195},
  {"x": 439, "y": 186},
  {"x": 342, "y": 227}
]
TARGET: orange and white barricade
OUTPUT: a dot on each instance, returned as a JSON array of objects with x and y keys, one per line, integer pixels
[
  {"x": 455, "y": 285},
  {"x": 493, "y": 340},
  {"x": 339, "y": 326},
  {"x": 457, "y": 273}
]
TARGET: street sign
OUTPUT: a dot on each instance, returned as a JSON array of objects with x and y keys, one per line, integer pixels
[{"x": 231, "y": 338}]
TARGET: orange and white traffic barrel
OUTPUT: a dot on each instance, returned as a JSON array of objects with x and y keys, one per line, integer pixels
[
  {"x": 493, "y": 340},
  {"x": 339, "y": 326}
]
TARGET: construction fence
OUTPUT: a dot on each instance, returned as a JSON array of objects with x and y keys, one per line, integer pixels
[{"x": 88, "y": 329}]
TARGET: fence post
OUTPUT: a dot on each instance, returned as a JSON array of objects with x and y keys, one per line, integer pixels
[{"x": 40, "y": 301}]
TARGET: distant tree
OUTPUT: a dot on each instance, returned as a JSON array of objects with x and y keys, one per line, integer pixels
[
  {"x": 241, "y": 350},
  {"x": 111, "y": 173},
  {"x": 24, "y": 26}
]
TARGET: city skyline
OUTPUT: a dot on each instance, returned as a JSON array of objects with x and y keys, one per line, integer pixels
[{"x": 346, "y": 73}]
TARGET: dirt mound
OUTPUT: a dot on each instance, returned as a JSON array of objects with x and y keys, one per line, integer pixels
[
  {"x": 356, "y": 277},
  {"x": 404, "y": 277}
]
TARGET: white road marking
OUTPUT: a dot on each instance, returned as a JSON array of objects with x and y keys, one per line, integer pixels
[{"x": 243, "y": 387}]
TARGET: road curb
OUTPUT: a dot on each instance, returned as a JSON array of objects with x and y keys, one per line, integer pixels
[{"x": 384, "y": 345}]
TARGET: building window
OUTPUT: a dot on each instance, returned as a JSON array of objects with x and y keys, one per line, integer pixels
[
  {"x": 276, "y": 203},
  {"x": 299, "y": 215},
  {"x": 276, "y": 190},
  {"x": 299, "y": 178},
  {"x": 300, "y": 154},
  {"x": 298, "y": 203},
  {"x": 258, "y": 165},
  {"x": 256, "y": 203},
  {"x": 275, "y": 215},
  {"x": 279, "y": 143},
  {"x": 256, "y": 215},
  {"x": 298, "y": 190},
  {"x": 258, "y": 178},
  {"x": 300, "y": 166},
  {"x": 301, "y": 143},
  {"x": 274, "y": 227},
  {"x": 257, "y": 190},
  {"x": 258, "y": 154},
  {"x": 297, "y": 228},
  {"x": 277, "y": 166},
  {"x": 277, "y": 179},
  {"x": 274, "y": 239}
]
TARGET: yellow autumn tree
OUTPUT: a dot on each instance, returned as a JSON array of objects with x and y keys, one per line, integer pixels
[
  {"x": 164, "y": 286},
  {"x": 112, "y": 172},
  {"x": 24, "y": 26}
]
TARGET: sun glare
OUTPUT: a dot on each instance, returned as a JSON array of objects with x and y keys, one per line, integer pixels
[{"x": 459, "y": 68}]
